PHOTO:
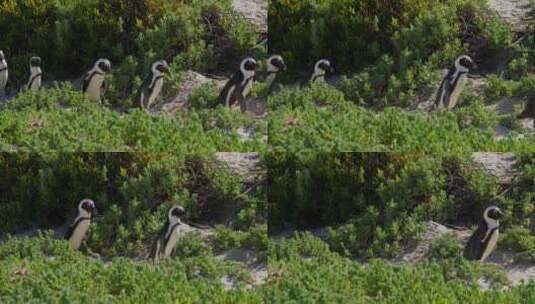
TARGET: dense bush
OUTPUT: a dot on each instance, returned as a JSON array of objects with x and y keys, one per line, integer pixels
[
  {"x": 304, "y": 270},
  {"x": 28, "y": 273},
  {"x": 320, "y": 119},
  {"x": 378, "y": 201},
  {"x": 61, "y": 119},
  {"x": 133, "y": 192},
  {"x": 71, "y": 35},
  {"x": 395, "y": 46}
]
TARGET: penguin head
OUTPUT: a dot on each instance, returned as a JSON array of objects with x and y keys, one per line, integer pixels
[
  {"x": 176, "y": 213},
  {"x": 493, "y": 213},
  {"x": 276, "y": 64},
  {"x": 104, "y": 65},
  {"x": 464, "y": 63},
  {"x": 87, "y": 206},
  {"x": 160, "y": 67},
  {"x": 2, "y": 57},
  {"x": 323, "y": 67},
  {"x": 35, "y": 62},
  {"x": 248, "y": 66}
]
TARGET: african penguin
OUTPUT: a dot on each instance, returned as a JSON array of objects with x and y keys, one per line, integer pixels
[
  {"x": 321, "y": 68},
  {"x": 35, "y": 78},
  {"x": 453, "y": 83},
  {"x": 529, "y": 111},
  {"x": 239, "y": 86},
  {"x": 167, "y": 239},
  {"x": 483, "y": 241},
  {"x": 152, "y": 86},
  {"x": 3, "y": 74},
  {"x": 94, "y": 80},
  {"x": 78, "y": 229},
  {"x": 275, "y": 64}
]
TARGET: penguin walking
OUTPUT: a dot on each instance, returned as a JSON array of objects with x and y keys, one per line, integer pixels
[
  {"x": 167, "y": 239},
  {"x": 79, "y": 228},
  {"x": 95, "y": 82},
  {"x": 153, "y": 84},
  {"x": 453, "y": 83},
  {"x": 483, "y": 242},
  {"x": 275, "y": 64},
  {"x": 529, "y": 111},
  {"x": 321, "y": 68},
  {"x": 238, "y": 87},
  {"x": 36, "y": 75},
  {"x": 3, "y": 74}
]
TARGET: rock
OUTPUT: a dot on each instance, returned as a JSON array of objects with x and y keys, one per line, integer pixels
[
  {"x": 255, "y": 11},
  {"x": 247, "y": 165},
  {"x": 433, "y": 231},
  {"x": 514, "y": 12},
  {"x": 500, "y": 165},
  {"x": 190, "y": 81}
]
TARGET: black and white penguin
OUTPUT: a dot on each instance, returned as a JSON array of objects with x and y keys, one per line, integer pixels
[
  {"x": 453, "y": 83},
  {"x": 483, "y": 242},
  {"x": 238, "y": 87},
  {"x": 274, "y": 65},
  {"x": 95, "y": 82},
  {"x": 4, "y": 74},
  {"x": 321, "y": 68},
  {"x": 36, "y": 75},
  {"x": 79, "y": 228},
  {"x": 529, "y": 110},
  {"x": 167, "y": 239},
  {"x": 152, "y": 86}
]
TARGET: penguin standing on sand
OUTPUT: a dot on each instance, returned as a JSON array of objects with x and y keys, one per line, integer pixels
[
  {"x": 238, "y": 87},
  {"x": 529, "y": 111},
  {"x": 321, "y": 68},
  {"x": 275, "y": 64},
  {"x": 483, "y": 242},
  {"x": 168, "y": 237},
  {"x": 153, "y": 84},
  {"x": 453, "y": 83},
  {"x": 95, "y": 82},
  {"x": 3, "y": 74},
  {"x": 36, "y": 75},
  {"x": 78, "y": 230}
]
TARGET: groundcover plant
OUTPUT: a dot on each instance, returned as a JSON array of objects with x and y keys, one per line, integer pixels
[{"x": 267, "y": 151}]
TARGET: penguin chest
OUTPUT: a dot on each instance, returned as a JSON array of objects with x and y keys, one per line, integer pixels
[
  {"x": 247, "y": 88},
  {"x": 3, "y": 78},
  {"x": 456, "y": 91},
  {"x": 35, "y": 83},
  {"x": 157, "y": 90},
  {"x": 94, "y": 88},
  {"x": 173, "y": 240},
  {"x": 270, "y": 79},
  {"x": 79, "y": 233},
  {"x": 490, "y": 245}
]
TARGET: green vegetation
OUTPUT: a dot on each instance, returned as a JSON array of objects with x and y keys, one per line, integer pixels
[
  {"x": 379, "y": 202},
  {"x": 306, "y": 271},
  {"x": 47, "y": 270},
  {"x": 133, "y": 192},
  {"x": 61, "y": 119},
  {"x": 392, "y": 62}
]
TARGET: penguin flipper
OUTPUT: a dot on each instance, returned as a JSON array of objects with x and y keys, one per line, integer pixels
[
  {"x": 87, "y": 79},
  {"x": 230, "y": 88},
  {"x": 474, "y": 247},
  {"x": 529, "y": 110}
]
